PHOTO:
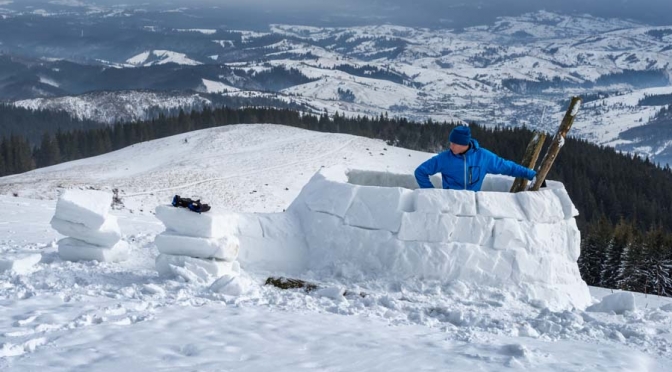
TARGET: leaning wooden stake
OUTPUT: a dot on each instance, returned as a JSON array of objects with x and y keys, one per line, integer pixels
[
  {"x": 558, "y": 142},
  {"x": 530, "y": 159}
]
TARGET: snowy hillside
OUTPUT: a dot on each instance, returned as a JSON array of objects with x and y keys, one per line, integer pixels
[
  {"x": 160, "y": 57},
  {"x": 113, "y": 107},
  {"x": 59, "y": 315}
]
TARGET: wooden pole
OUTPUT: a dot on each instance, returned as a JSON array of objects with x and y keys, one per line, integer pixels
[
  {"x": 558, "y": 142},
  {"x": 530, "y": 159}
]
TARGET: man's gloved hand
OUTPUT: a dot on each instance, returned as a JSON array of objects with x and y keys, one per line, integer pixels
[{"x": 531, "y": 174}]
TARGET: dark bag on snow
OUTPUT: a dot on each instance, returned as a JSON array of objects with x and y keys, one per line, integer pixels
[{"x": 192, "y": 205}]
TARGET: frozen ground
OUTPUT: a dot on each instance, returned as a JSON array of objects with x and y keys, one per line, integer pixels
[{"x": 108, "y": 317}]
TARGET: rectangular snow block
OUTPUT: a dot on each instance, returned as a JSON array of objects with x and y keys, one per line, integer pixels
[
  {"x": 499, "y": 205},
  {"x": 567, "y": 204},
  {"x": 427, "y": 227},
  {"x": 225, "y": 248},
  {"x": 497, "y": 183},
  {"x": 509, "y": 233},
  {"x": 419, "y": 260},
  {"x": 381, "y": 179},
  {"x": 248, "y": 225},
  {"x": 473, "y": 230},
  {"x": 573, "y": 240},
  {"x": 552, "y": 238},
  {"x": 280, "y": 225},
  {"x": 86, "y": 207},
  {"x": 327, "y": 197},
  {"x": 76, "y": 250},
  {"x": 195, "y": 269},
  {"x": 106, "y": 235},
  {"x": 534, "y": 268},
  {"x": 542, "y": 206},
  {"x": 205, "y": 225},
  {"x": 376, "y": 208},
  {"x": 456, "y": 202},
  {"x": 288, "y": 255},
  {"x": 20, "y": 263}
]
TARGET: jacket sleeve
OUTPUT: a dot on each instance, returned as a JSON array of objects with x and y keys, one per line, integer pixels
[
  {"x": 498, "y": 165},
  {"x": 425, "y": 170}
]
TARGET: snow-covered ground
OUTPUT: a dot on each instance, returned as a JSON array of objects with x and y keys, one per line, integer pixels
[
  {"x": 160, "y": 57},
  {"x": 61, "y": 315}
]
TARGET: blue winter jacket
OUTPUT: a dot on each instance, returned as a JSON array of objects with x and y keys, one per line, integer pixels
[{"x": 467, "y": 172}]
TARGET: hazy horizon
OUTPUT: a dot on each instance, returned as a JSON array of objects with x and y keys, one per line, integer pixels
[{"x": 422, "y": 13}]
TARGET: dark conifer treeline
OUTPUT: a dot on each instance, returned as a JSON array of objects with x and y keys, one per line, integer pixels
[
  {"x": 625, "y": 201},
  {"x": 32, "y": 124}
]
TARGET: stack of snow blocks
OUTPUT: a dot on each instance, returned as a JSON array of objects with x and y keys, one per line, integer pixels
[
  {"x": 196, "y": 247},
  {"x": 369, "y": 225},
  {"x": 92, "y": 233}
]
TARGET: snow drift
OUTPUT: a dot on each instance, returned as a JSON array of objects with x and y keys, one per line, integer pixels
[{"x": 362, "y": 225}]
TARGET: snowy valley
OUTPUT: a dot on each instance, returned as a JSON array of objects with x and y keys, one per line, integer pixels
[{"x": 504, "y": 73}]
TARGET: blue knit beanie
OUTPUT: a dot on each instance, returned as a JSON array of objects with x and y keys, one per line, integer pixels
[{"x": 460, "y": 135}]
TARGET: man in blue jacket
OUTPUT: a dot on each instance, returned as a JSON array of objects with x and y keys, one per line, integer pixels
[{"x": 465, "y": 165}]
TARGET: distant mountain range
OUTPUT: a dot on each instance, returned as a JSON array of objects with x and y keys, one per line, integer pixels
[{"x": 120, "y": 65}]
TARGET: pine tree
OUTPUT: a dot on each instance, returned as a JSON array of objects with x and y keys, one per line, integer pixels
[
  {"x": 631, "y": 274},
  {"x": 593, "y": 251},
  {"x": 658, "y": 262},
  {"x": 49, "y": 153},
  {"x": 623, "y": 237}
]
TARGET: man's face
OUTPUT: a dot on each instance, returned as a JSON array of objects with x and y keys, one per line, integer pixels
[{"x": 458, "y": 149}]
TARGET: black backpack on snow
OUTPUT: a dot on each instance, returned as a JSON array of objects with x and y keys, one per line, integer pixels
[{"x": 192, "y": 205}]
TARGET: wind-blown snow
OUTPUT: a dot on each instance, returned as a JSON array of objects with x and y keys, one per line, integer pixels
[{"x": 105, "y": 316}]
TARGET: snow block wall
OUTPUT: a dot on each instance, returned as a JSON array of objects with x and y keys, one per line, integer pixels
[
  {"x": 92, "y": 233},
  {"x": 357, "y": 225},
  {"x": 197, "y": 247}
]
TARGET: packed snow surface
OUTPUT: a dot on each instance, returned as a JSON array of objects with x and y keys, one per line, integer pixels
[{"x": 215, "y": 315}]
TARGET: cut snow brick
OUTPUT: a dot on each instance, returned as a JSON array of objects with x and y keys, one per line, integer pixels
[
  {"x": 541, "y": 206},
  {"x": 328, "y": 197},
  {"x": 86, "y": 207},
  {"x": 263, "y": 254},
  {"x": 573, "y": 239},
  {"x": 567, "y": 205},
  {"x": 205, "y": 225},
  {"x": 248, "y": 225},
  {"x": 279, "y": 225},
  {"x": 427, "y": 227},
  {"x": 106, "y": 235},
  {"x": 76, "y": 250},
  {"x": 499, "y": 205},
  {"x": 473, "y": 230},
  {"x": 376, "y": 208},
  {"x": 508, "y": 233},
  {"x": 225, "y": 248},
  {"x": 20, "y": 263},
  {"x": 455, "y": 202},
  {"x": 195, "y": 269}
]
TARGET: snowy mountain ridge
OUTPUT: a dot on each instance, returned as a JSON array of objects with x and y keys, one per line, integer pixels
[{"x": 505, "y": 73}]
